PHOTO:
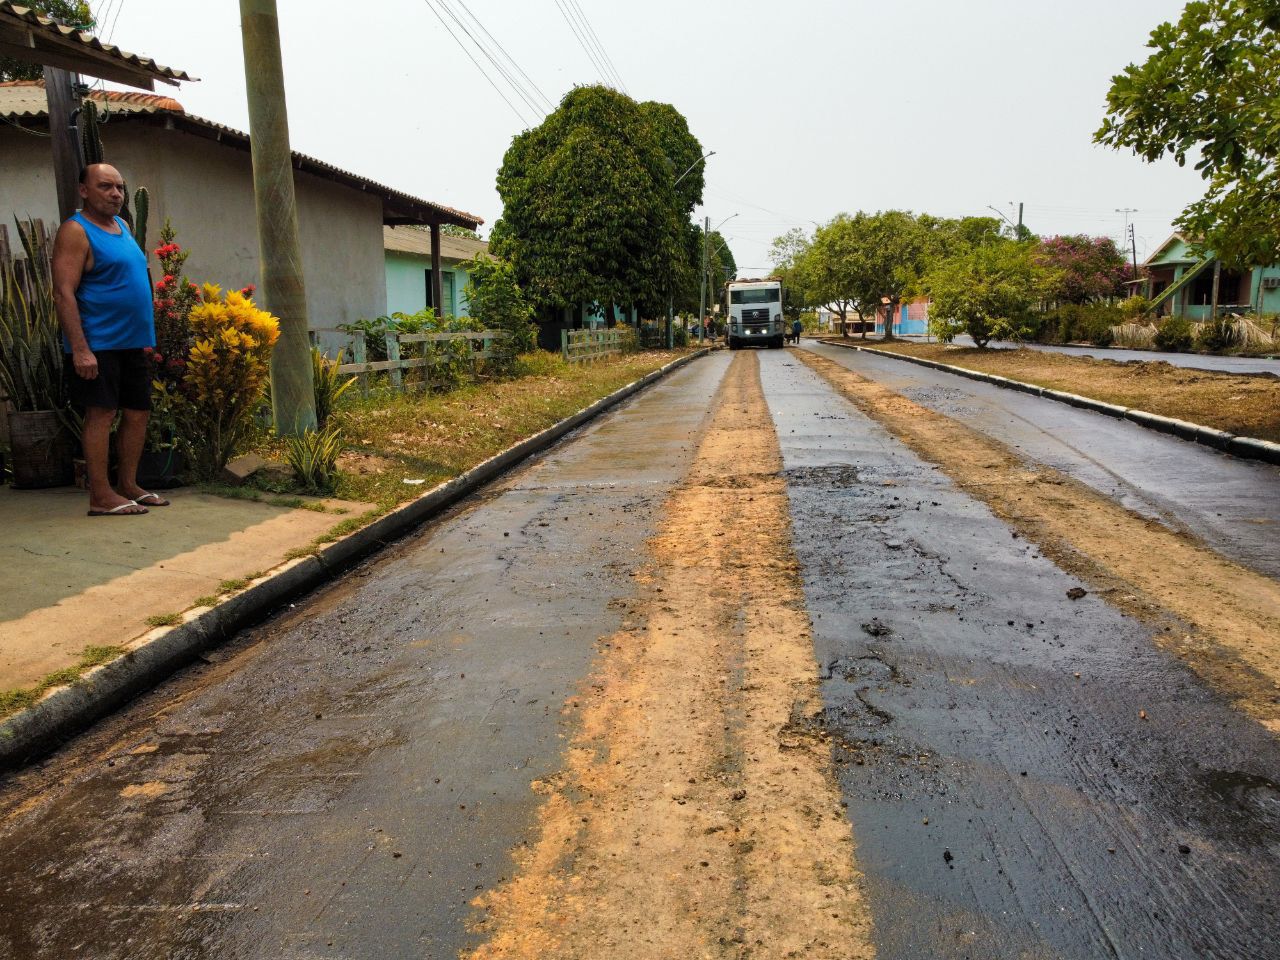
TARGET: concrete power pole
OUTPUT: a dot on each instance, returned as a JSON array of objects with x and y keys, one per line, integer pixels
[
  {"x": 702, "y": 290},
  {"x": 280, "y": 254}
]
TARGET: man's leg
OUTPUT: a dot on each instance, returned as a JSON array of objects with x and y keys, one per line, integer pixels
[
  {"x": 97, "y": 442},
  {"x": 130, "y": 437}
]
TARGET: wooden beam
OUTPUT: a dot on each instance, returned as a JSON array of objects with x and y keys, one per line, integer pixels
[
  {"x": 65, "y": 138},
  {"x": 74, "y": 57},
  {"x": 437, "y": 282}
]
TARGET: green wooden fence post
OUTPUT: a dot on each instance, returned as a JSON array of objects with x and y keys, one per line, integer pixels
[{"x": 393, "y": 353}]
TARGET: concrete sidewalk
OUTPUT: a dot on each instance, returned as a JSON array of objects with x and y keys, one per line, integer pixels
[{"x": 75, "y": 581}]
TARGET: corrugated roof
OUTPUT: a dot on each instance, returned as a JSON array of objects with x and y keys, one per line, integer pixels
[
  {"x": 417, "y": 241},
  {"x": 25, "y": 100},
  {"x": 26, "y": 34}
]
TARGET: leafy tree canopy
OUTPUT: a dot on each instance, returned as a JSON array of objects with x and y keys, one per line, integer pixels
[
  {"x": 1083, "y": 268},
  {"x": 867, "y": 258},
  {"x": 589, "y": 213},
  {"x": 1209, "y": 86},
  {"x": 74, "y": 13},
  {"x": 986, "y": 291},
  {"x": 496, "y": 301},
  {"x": 682, "y": 150}
]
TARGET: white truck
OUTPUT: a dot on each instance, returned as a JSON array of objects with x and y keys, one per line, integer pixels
[{"x": 753, "y": 313}]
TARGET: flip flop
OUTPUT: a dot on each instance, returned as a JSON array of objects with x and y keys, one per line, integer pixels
[
  {"x": 120, "y": 510},
  {"x": 154, "y": 500}
]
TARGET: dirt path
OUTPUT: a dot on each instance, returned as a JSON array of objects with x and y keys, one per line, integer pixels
[
  {"x": 1222, "y": 618},
  {"x": 695, "y": 817}
]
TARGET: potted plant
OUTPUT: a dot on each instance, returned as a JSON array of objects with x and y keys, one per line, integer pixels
[{"x": 41, "y": 438}]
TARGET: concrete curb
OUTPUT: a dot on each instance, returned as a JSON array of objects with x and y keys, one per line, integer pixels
[
  {"x": 65, "y": 710},
  {"x": 1248, "y": 448}
]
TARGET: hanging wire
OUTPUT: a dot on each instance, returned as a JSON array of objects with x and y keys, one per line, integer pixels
[
  {"x": 582, "y": 15},
  {"x": 503, "y": 71},
  {"x": 549, "y": 104},
  {"x": 485, "y": 73},
  {"x": 583, "y": 43}
]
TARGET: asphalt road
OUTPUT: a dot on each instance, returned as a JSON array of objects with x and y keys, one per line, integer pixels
[
  {"x": 344, "y": 780},
  {"x": 1193, "y": 361}
]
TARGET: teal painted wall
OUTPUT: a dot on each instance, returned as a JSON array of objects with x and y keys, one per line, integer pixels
[{"x": 407, "y": 278}]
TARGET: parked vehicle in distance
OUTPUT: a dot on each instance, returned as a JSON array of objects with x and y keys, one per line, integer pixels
[{"x": 753, "y": 313}]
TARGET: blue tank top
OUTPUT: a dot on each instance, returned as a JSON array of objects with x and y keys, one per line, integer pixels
[{"x": 115, "y": 296}]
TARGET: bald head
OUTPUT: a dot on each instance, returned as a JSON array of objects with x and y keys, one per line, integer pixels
[{"x": 102, "y": 192}]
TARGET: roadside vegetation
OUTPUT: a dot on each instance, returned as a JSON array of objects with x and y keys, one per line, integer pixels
[
  {"x": 1244, "y": 405},
  {"x": 398, "y": 445}
]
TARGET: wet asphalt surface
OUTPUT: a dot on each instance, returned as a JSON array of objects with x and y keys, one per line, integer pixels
[
  {"x": 343, "y": 780},
  {"x": 1192, "y": 361},
  {"x": 1003, "y": 807},
  {"x": 1230, "y": 503},
  {"x": 355, "y": 772}
]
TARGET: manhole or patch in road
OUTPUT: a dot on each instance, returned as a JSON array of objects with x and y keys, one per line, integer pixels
[{"x": 829, "y": 477}]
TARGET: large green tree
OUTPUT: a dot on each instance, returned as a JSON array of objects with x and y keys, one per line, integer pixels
[
  {"x": 987, "y": 291},
  {"x": 74, "y": 13},
  {"x": 589, "y": 209},
  {"x": 1210, "y": 88}
]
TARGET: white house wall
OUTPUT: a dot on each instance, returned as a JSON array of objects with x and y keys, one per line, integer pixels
[{"x": 206, "y": 190}]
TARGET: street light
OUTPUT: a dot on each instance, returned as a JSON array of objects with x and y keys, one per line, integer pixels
[
  {"x": 670, "y": 304},
  {"x": 706, "y": 257},
  {"x": 709, "y": 153}
]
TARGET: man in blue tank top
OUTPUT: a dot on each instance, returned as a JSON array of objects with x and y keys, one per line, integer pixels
[{"x": 102, "y": 292}]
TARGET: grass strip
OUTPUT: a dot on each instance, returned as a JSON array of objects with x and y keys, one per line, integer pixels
[{"x": 20, "y": 698}]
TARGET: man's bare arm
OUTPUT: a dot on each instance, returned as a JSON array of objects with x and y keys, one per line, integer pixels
[{"x": 70, "y": 257}]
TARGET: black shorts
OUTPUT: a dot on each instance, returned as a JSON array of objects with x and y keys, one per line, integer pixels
[{"x": 123, "y": 381}]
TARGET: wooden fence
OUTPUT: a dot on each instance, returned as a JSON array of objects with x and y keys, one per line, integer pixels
[
  {"x": 578, "y": 345},
  {"x": 482, "y": 344}
]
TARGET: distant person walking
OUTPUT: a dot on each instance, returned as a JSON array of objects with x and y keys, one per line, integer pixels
[
  {"x": 103, "y": 297},
  {"x": 796, "y": 328}
]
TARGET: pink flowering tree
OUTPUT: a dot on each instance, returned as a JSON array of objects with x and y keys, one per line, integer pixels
[{"x": 1083, "y": 269}]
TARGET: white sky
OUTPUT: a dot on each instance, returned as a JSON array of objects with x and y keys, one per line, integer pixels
[{"x": 813, "y": 107}]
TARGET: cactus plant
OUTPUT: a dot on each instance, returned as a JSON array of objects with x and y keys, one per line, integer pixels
[
  {"x": 142, "y": 206},
  {"x": 90, "y": 138}
]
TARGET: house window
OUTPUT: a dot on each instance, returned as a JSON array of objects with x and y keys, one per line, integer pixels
[{"x": 447, "y": 302}]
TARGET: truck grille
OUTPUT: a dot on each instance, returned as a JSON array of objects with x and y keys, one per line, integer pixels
[{"x": 760, "y": 315}]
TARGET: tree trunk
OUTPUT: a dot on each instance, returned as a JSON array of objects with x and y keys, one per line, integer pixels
[
  {"x": 844, "y": 327},
  {"x": 890, "y": 309},
  {"x": 612, "y": 315}
]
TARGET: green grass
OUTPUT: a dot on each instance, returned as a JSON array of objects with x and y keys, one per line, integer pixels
[
  {"x": 11, "y": 701},
  {"x": 164, "y": 619},
  {"x": 255, "y": 495}
]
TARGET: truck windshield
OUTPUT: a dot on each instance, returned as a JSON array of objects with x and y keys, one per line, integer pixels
[{"x": 755, "y": 295}]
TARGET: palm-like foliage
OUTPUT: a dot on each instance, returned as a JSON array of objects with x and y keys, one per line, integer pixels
[{"x": 30, "y": 342}]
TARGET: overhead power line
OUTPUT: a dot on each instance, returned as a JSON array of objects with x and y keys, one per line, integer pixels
[
  {"x": 547, "y": 102},
  {"x": 582, "y": 42},
  {"x": 507, "y": 73},
  {"x": 458, "y": 40},
  {"x": 613, "y": 70}
]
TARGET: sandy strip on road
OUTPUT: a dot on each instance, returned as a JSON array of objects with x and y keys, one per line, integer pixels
[
  {"x": 1167, "y": 578},
  {"x": 694, "y": 816}
]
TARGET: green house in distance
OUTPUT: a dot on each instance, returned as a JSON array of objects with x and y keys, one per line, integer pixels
[
  {"x": 408, "y": 265},
  {"x": 1181, "y": 284}
]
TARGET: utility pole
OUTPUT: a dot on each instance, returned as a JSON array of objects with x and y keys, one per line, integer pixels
[
  {"x": 60, "y": 87},
  {"x": 1019, "y": 234},
  {"x": 1126, "y": 211},
  {"x": 279, "y": 250},
  {"x": 1133, "y": 246},
  {"x": 702, "y": 290}
]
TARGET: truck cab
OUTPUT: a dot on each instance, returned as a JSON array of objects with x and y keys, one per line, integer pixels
[{"x": 753, "y": 313}]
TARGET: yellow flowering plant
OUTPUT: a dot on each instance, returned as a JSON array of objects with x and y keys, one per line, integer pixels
[{"x": 227, "y": 369}]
